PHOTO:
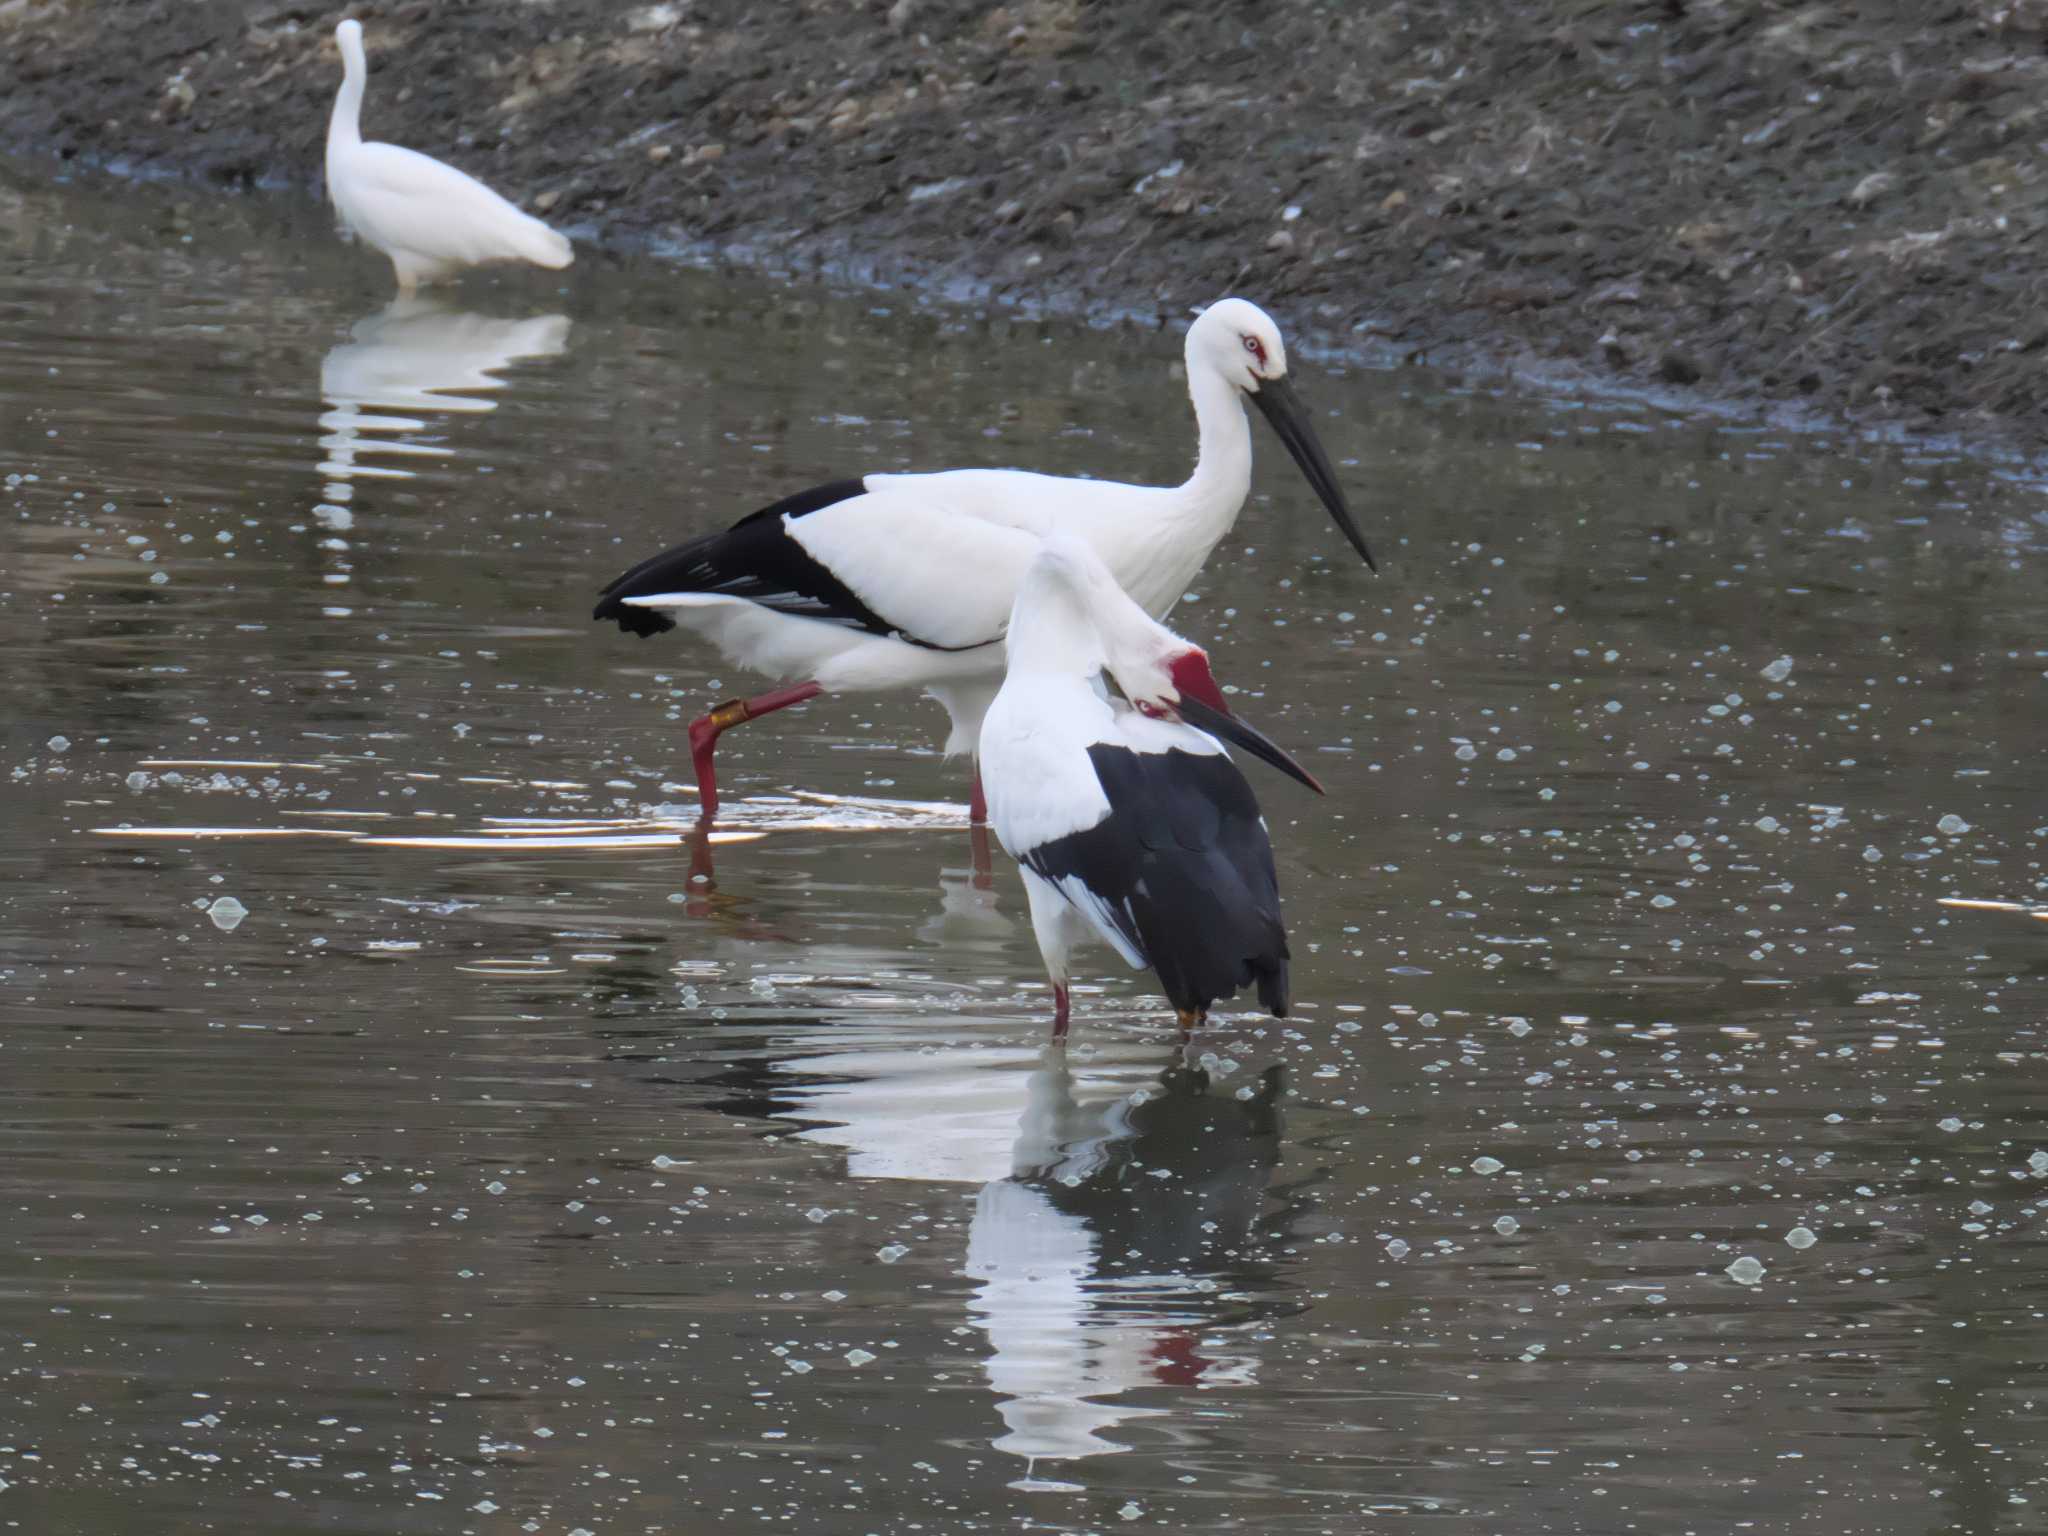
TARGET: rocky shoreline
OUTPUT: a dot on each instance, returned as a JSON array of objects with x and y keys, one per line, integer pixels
[{"x": 1774, "y": 204}]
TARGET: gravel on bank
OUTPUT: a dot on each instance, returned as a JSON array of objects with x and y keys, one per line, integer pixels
[{"x": 1763, "y": 201}]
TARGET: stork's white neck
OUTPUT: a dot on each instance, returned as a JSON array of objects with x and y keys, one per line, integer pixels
[
  {"x": 1051, "y": 627},
  {"x": 344, "y": 123},
  {"x": 1215, "y": 492}
]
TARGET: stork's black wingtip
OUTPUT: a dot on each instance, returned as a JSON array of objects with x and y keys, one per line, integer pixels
[{"x": 632, "y": 619}]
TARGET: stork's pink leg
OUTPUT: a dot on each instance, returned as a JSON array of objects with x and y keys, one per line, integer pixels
[
  {"x": 704, "y": 734},
  {"x": 977, "y": 802},
  {"x": 1059, "y": 1010}
]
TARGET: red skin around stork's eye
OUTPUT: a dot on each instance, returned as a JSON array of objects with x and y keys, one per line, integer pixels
[
  {"x": 1193, "y": 680},
  {"x": 1257, "y": 348}
]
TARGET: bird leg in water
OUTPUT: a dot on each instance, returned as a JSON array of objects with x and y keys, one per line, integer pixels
[
  {"x": 1189, "y": 1018},
  {"x": 1059, "y": 1011},
  {"x": 984, "y": 859},
  {"x": 704, "y": 734},
  {"x": 1176, "y": 1360},
  {"x": 977, "y": 802},
  {"x": 703, "y": 877}
]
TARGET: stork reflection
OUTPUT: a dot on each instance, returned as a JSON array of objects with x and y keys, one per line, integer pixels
[
  {"x": 1119, "y": 1240},
  {"x": 970, "y": 906},
  {"x": 1121, "y": 1253},
  {"x": 413, "y": 360}
]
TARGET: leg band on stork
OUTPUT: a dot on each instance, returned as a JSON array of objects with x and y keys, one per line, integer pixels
[{"x": 705, "y": 731}]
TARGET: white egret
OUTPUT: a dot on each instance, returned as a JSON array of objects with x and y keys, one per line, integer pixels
[{"x": 429, "y": 218}]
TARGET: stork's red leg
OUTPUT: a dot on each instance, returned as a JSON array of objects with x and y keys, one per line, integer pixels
[
  {"x": 1177, "y": 1361},
  {"x": 977, "y": 802},
  {"x": 1059, "y": 1010},
  {"x": 984, "y": 859},
  {"x": 704, "y": 734},
  {"x": 1189, "y": 1018},
  {"x": 703, "y": 877}
]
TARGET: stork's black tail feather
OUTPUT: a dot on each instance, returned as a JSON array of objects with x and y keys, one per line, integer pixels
[
  {"x": 657, "y": 573},
  {"x": 1182, "y": 871},
  {"x": 754, "y": 559},
  {"x": 1272, "y": 978}
]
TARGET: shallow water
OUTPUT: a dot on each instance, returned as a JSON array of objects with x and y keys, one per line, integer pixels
[{"x": 397, "y": 1169}]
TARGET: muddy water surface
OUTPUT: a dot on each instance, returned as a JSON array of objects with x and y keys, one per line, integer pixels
[{"x": 395, "y": 1135}]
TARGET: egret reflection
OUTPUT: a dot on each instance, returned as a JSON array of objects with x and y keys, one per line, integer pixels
[
  {"x": 414, "y": 360},
  {"x": 1118, "y": 1240}
]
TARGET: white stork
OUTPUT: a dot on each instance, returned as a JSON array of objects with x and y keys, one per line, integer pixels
[
  {"x": 1130, "y": 821},
  {"x": 429, "y": 218},
  {"x": 906, "y": 581}
]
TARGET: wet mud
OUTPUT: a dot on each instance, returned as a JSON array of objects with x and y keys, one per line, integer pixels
[{"x": 1777, "y": 204}]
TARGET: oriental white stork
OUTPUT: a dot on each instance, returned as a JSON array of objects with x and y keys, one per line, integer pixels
[
  {"x": 906, "y": 581},
  {"x": 1131, "y": 823},
  {"x": 429, "y": 218}
]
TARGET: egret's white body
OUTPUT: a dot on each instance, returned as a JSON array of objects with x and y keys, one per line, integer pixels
[
  {"x": 907, "y": 580},
  {"x": 1131, "y": 824},
  {"x": 430, "y": 219}
]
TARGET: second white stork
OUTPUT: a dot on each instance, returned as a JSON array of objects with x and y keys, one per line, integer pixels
[
  {"x": 906, "y": 581},
  {"x": 1131, "y": 823}
]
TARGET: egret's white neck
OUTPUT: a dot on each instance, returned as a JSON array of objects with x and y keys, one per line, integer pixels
[
  {"x": 344, "y": 123},
  {"x": 1223, "y": 461}
]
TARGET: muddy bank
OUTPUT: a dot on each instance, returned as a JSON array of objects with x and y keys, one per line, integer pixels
[{"x": 1754, "y": 199}]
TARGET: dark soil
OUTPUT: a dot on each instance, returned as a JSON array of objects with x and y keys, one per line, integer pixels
[{"x": 1793, "y": 202}]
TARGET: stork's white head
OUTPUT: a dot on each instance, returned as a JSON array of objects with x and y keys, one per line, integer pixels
[
  {"x": 1238, "y": 340},
  {"x": 1157, "y": 670},
  {"x": 1164, "y": 676},
  {"x": 1153, "y": 666}
]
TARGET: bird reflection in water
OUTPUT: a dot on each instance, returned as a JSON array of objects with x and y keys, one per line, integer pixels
[
  {"x": 970, "y": 907},
  {"x": 1117, "y": 1241},
  {"x": 1117, "y": 1255},
  {"x": 413, "y": 360},
  {"x": 969, "y": 904}
]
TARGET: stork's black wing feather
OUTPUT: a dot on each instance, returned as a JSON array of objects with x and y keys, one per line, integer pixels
[
  {"x": 1184, "y": 870},
  {"x": 755, "y": 559}
]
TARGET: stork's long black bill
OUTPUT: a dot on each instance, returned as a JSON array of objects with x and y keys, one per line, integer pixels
[
  {"x": 1235, "y": 731},
  {"x": 1281, "y": 406}
]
